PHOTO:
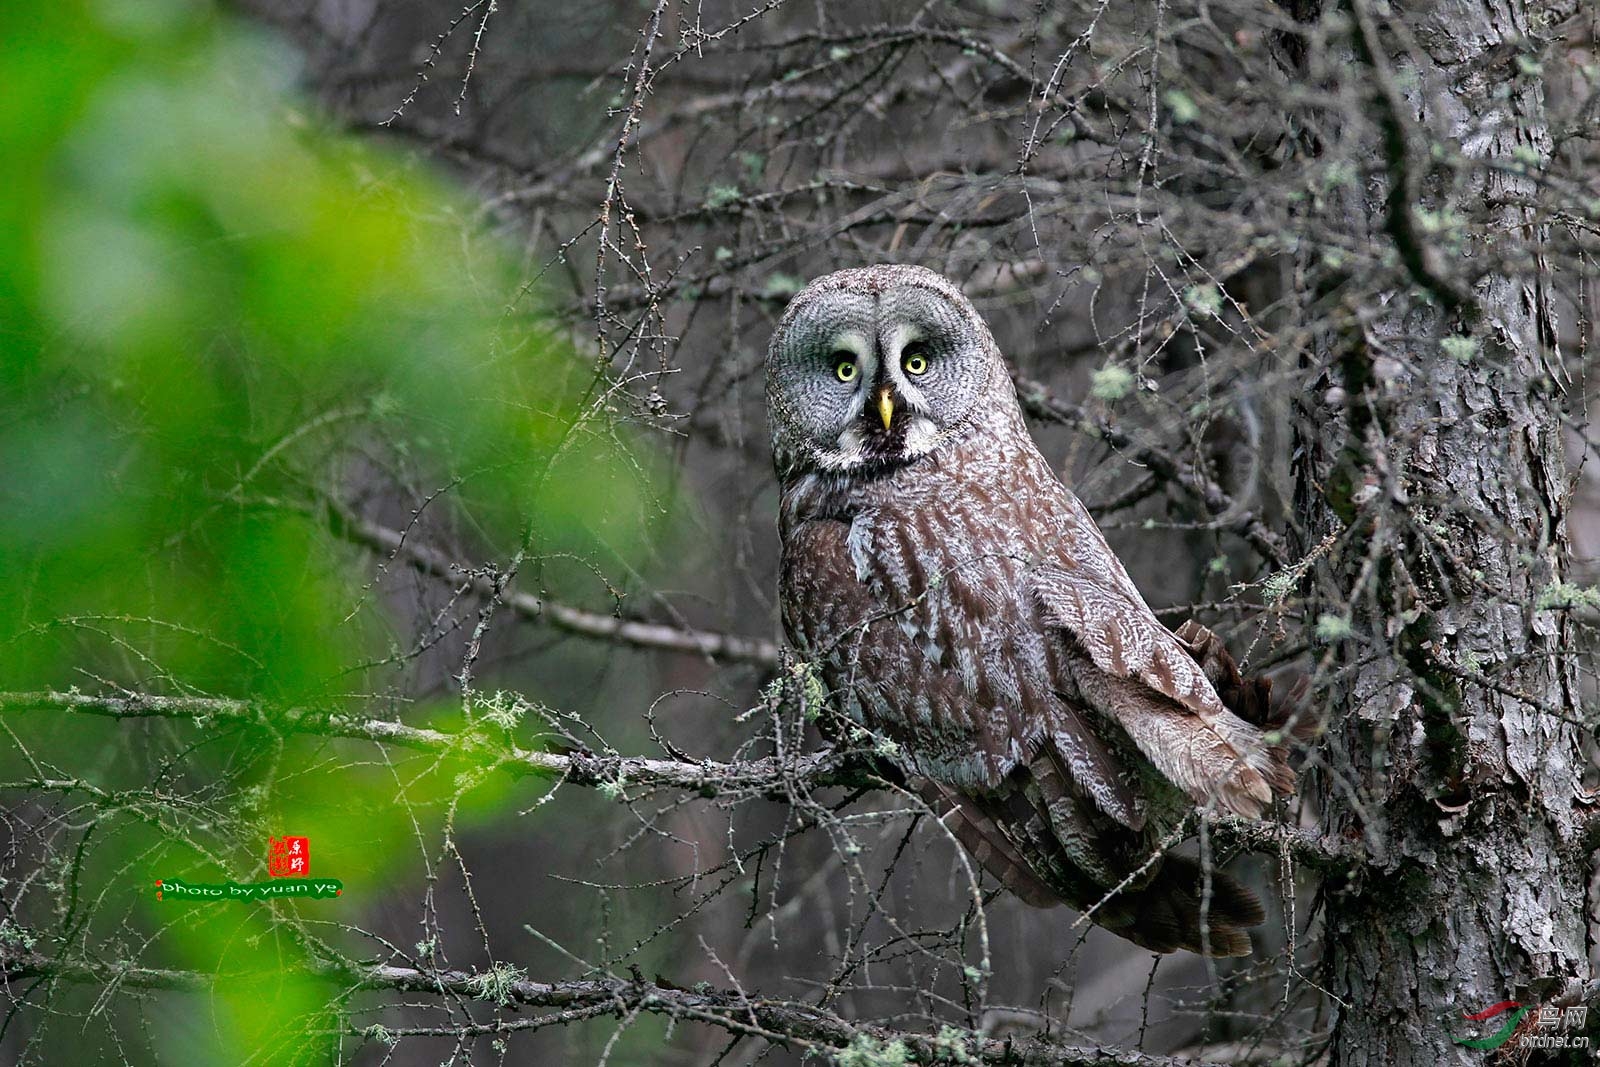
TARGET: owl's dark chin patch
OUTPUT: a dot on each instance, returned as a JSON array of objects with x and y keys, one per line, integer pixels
[
  {"x": 867, "y": 448},
  {"x": 882, "y": 446}
]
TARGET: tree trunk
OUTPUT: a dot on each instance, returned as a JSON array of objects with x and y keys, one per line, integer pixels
[{"x": 1452, "y": 745}]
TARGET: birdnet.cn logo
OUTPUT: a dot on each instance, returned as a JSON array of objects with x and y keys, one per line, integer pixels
[
  {"x": 1551, "y": 1027},
  {"x": 288, "y": 871}
]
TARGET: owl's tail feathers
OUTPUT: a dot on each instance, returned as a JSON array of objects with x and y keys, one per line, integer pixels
[
  {"x": 1183, "y": 906},
  {"x": 1279, "y": 715},
  {"x": 987, "y": 843}
]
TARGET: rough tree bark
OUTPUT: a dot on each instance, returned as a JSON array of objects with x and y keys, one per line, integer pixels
[{"x": 1434, "y": 457}]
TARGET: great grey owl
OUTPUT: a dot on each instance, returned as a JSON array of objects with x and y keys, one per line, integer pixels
[{"x": 961, "y": 605}]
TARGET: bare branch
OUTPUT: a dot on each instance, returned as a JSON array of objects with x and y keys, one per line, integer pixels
[
  {"x": 767, "y": 776},
  {"x": 776, "y": 778},
  {"x": 782, "y": 1022},
  {"x": 394, "y": 544},
  {"x": 1038, "y": 401}
]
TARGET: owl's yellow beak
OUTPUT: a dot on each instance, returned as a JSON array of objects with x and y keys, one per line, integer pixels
[{"x": 885, "y": 406}]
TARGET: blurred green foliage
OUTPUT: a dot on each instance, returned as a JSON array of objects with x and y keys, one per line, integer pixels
[
  {"x": 211, "y": 309},
  {"x": 193, "y": 272}
]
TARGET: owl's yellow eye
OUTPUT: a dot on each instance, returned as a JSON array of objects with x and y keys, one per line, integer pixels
[
  {"x": 915, "y": 363},
  {"x": 846, "y": 369}
]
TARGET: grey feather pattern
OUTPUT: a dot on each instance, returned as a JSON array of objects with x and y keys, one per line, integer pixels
[{"x": 961, "y": 603}]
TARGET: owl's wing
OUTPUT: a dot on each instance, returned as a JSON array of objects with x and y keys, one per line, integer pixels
[{"x": 1147, "y": 678}]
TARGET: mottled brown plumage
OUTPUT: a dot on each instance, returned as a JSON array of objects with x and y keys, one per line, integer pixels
[{"x": 961, "y": 604}]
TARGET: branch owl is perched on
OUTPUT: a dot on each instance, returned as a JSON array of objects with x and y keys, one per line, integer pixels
[{"x": 960, "y": 602}]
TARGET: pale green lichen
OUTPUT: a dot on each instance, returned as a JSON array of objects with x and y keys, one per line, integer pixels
[
  {"x": 379, "y": 1032},
  {"x": 497, "y": 983},
  {"x": 720, "y": 196},
  {"x": 865, "y": 1050},
  {"x": 1339, "y": 173},
  {"x": 504, "y": 710},
  {"x": 1442, "y": 221},
  {"x": 954, "y": 1045},
  {"x": 1333, "y": 627},
  {"x": 1277, "y": 586},
  {"x": 813, "y": 693},
  {"x": 1183, "y": 108},
  {"x": 782, "y": 285},
  {"x": 21, "y": 936},
  {"x": 1567, "y": 595},
  {"x": 1206, "y": 299},
  {"x": 1110, "y": 383},
  {"x": 467, "y": 781},
  {"x": 1461, "y": 349}
]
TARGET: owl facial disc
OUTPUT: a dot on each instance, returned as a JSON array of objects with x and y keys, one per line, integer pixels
[{"x": 873, "y": 369}]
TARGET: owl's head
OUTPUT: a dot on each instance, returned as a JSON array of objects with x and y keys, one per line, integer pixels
[{"x": 875, "y": 367}]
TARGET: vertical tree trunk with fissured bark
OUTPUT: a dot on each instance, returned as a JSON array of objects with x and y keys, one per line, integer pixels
[{"x": 1430, "y": 481}]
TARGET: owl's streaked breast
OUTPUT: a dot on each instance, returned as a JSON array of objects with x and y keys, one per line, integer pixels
[{"x": 945, "y": 651}]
